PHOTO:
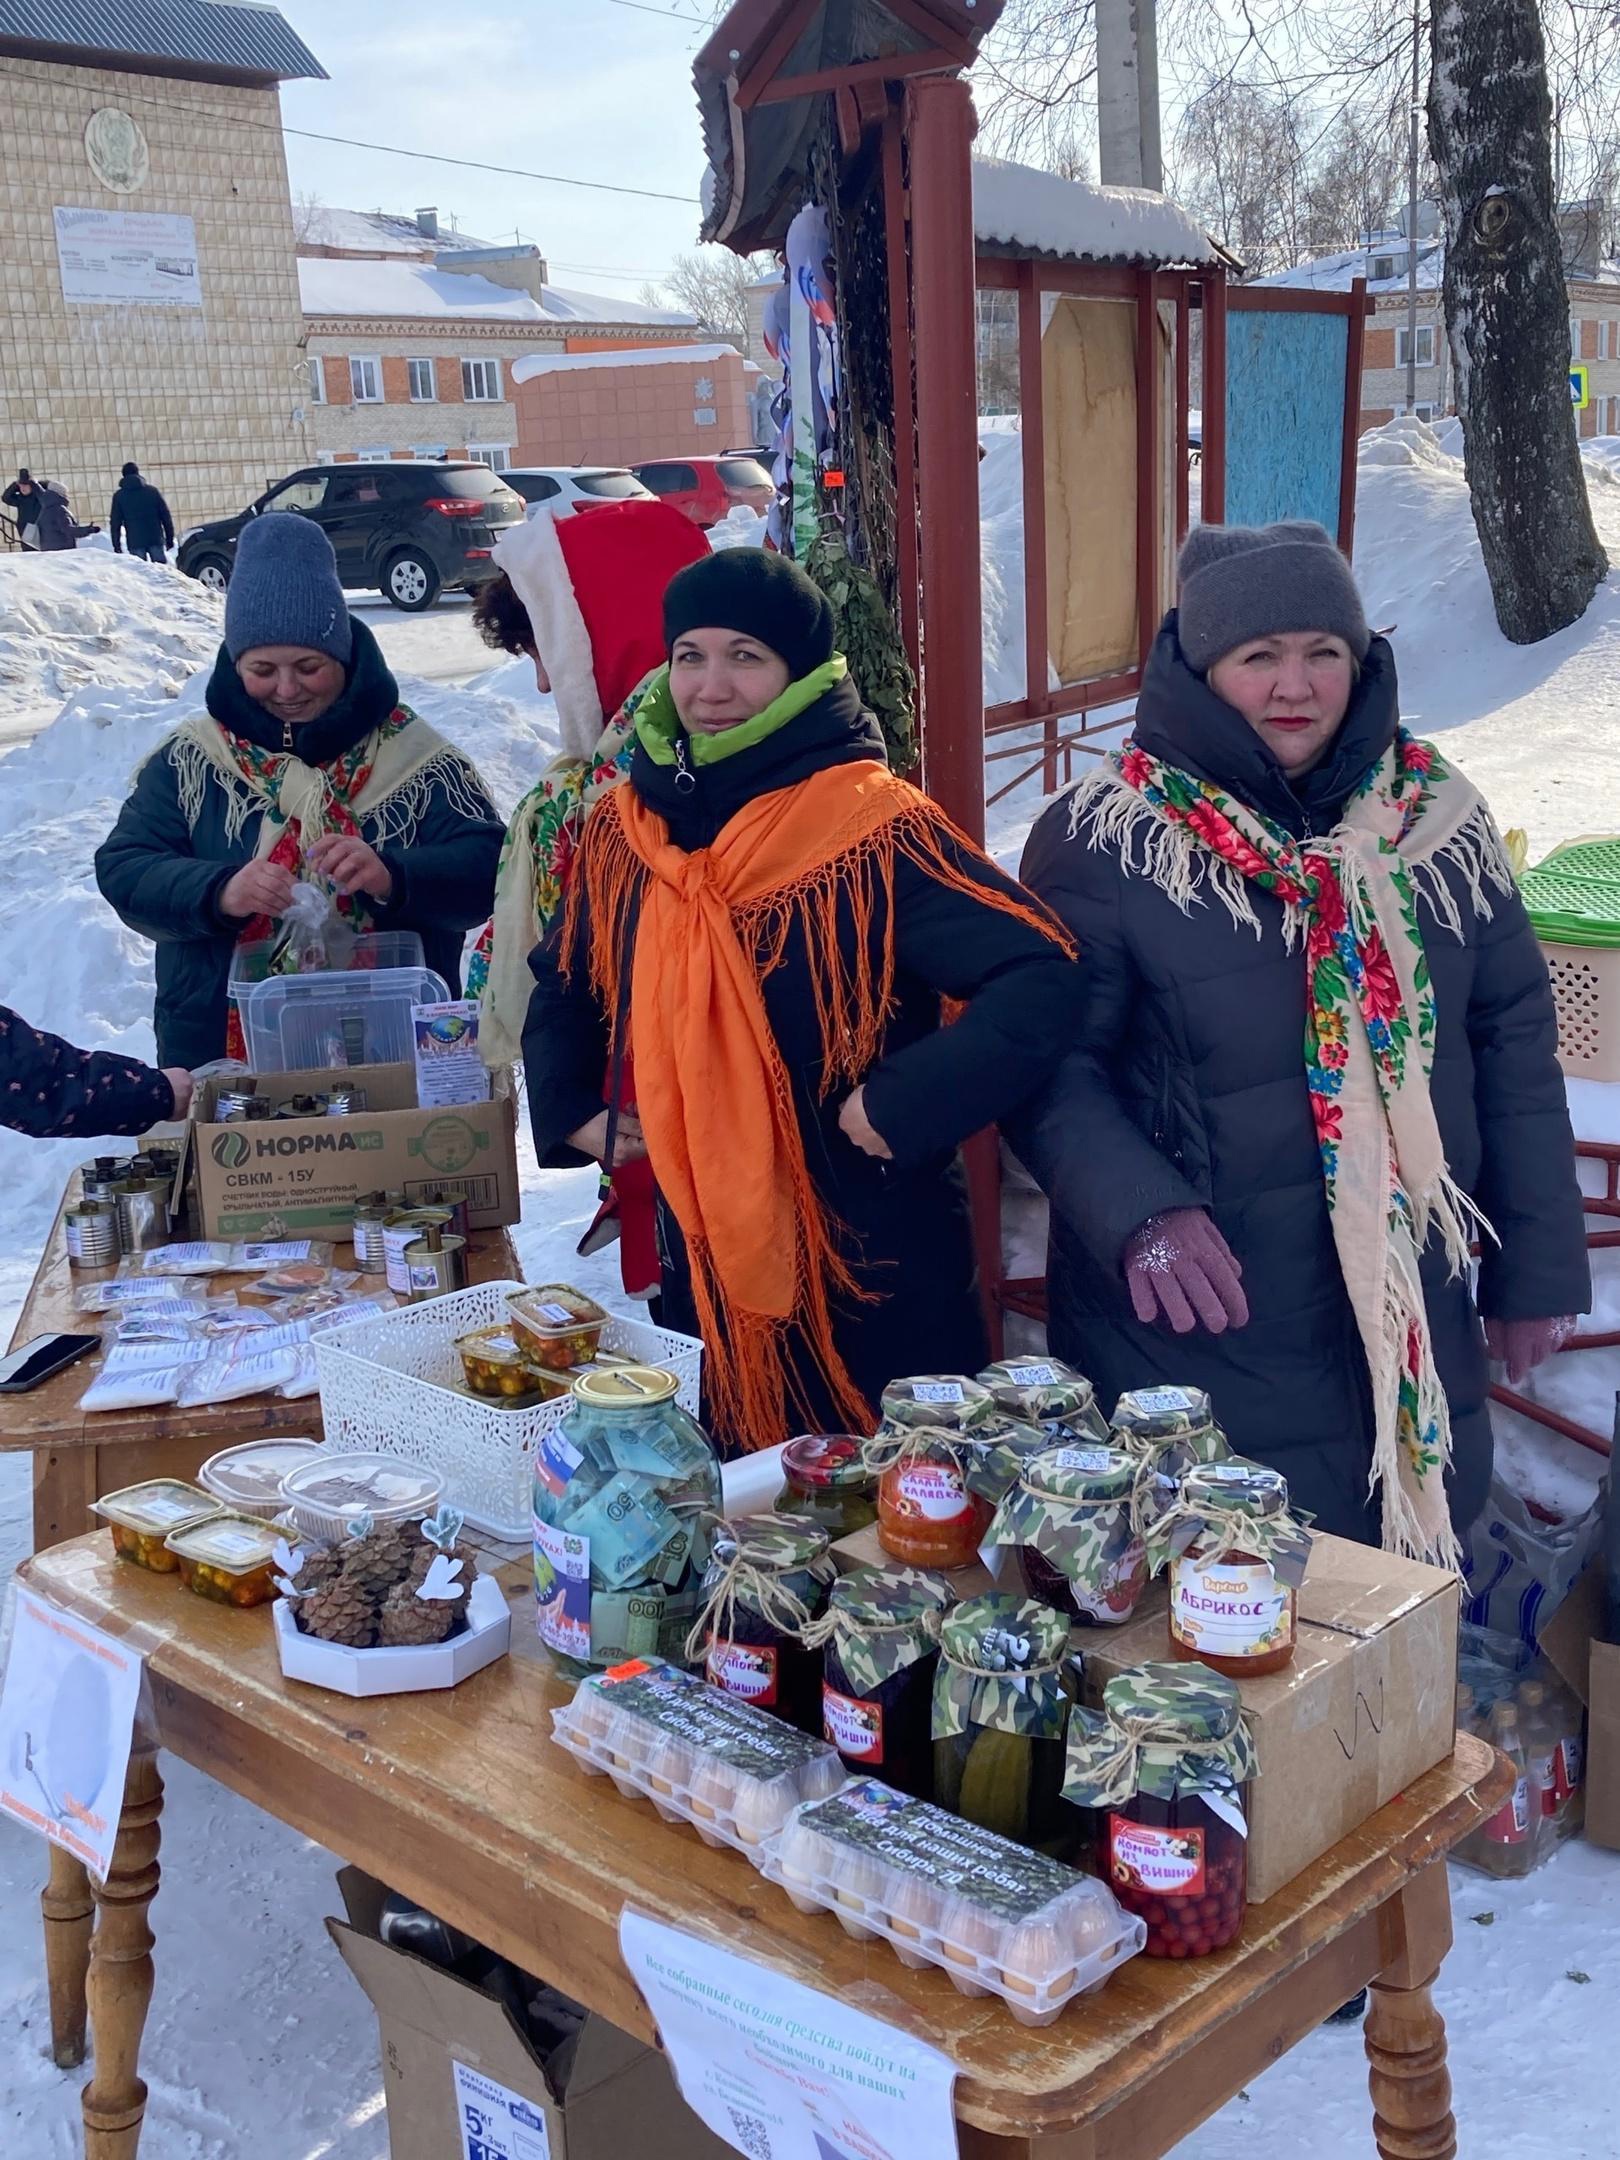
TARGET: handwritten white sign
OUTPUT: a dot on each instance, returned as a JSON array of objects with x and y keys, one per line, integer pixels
[
  {"x": 67, "y": 1718},
  {"x": 781, "y": 2071}
]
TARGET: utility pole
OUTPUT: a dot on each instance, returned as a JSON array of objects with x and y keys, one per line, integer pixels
[
  {"x": 1412, "y": 214},
  {"x": 1128, "y": 150}
]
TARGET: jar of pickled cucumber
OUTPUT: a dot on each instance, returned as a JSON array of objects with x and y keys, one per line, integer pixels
[
  {"x": 827, "y": 1482},
  {"x": 1072, "y": 1518},
  {"x": 1001, "y": 1705},
  {"x": 625, "y": 1489},
  {"x": 766, "y": 1582},
  {"x": 1165, "y": 1764},
  {"x": 881, "y": 1648},
  {"x": 1237, "y": 1560},
  {"x": 1045, "y": 1391}
]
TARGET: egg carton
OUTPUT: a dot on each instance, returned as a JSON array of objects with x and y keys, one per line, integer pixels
[
  {"x": 687, "y": 1747},
  {"x": 994, "y": 1917}
]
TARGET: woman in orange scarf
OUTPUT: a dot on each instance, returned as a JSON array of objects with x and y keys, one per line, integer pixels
[{"x": 769, "y": 921}]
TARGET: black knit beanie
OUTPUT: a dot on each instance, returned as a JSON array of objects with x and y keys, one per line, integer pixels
[{"x": 759, "y": 593}]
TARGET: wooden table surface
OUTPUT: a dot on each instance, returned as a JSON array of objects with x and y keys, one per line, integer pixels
[
  {"x": 78, "y": 1458},
  {"x": 461, "y": 1800}
]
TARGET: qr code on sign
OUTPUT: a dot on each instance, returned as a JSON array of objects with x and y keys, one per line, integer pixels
[{"x": 751, "y": 2137}]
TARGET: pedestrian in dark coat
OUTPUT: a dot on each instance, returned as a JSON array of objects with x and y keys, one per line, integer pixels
[
  {"x": 52, "y": 1091},
  {"x": 304, "y": 766},
  {"x": 58, "y": 529},
  {"x": 141, "y": 516},
  {"x": 1267, "y": 1109},
  {"x": 768, "y": 921},
  {"x": 23, "y": 499}
]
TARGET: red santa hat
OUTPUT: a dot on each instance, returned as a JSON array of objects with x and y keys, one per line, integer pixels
[{"x": 593, "y": 585}]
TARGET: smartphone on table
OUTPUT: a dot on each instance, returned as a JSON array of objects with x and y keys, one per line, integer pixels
[{"x": 34, "y": 1362}]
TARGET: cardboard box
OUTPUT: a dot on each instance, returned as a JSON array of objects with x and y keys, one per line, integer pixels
[
  {"x": 1592, "y": 1669},
  {"x": 1368, "y": 1704},
  {"x": 460, "y": 2076},
  {"x": 406, "y": 1670},
  {"x": 863, "y": 1550},
  {"x": 303, "y": 1176}
]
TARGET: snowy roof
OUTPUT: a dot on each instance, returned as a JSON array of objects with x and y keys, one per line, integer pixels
[
  {"x": 1337, "y": 273},
  {"x": 214, "y": 36},
  {"x": 332, "y": 285},
  {"x": 376, "y": 232},
  {"x": 1040, "y": 213},
  {"x": 541, "y": 363},
  {"x": 571, "y": 306}
]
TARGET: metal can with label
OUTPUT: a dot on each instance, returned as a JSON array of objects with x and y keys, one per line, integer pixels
[
  {"x": 371, "y": 1212},
  {"x": 456, "y": 1205},
  {"x": 437, "y": 1263},
  {"x": 91, "y": 1230},
  {"x": 101, "y": 1179},
  {"x": 344, "y": 1099},
  {"x": 143, "y": 1214},
  {"x": 234, "y": 1106},
  {"x": 402, "y": 1228}
]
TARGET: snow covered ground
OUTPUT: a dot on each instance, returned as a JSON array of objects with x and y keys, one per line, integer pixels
[{"x": 255, "y": 2023}]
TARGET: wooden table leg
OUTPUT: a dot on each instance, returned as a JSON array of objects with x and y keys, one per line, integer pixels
[
  {"x": 1405, "y": 2034},
  {"x": 120, "y": 1984},
  {"x": 64, "y": 1486},
  {"x": 69, "y": 1906}
]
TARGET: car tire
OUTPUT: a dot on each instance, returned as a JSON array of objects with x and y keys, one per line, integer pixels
[
  {"x": 410, "y": 580},
  {"x": 213, "y": 571}
]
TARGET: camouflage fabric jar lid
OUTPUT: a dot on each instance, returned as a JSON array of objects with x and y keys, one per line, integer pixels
[
  {"x": 831, "y": 1462},
  {"x": 1238, "y": 1487},
  {"x": 996, "y": 1452},
  {"x": 1078, "y": 1472},
  {"x": 998, "y": 1633},
  {"x": 774, "y": 1544},
  {"x": 1200, "y": 1705},
  {"x": 1169, "y": 1730},
  {"x": 950, "y": 1400},
  {"x": 1161, "y": 1413},
  {"x": 1038, "y": 1388},
  {"x": 888, "y": 1596}
]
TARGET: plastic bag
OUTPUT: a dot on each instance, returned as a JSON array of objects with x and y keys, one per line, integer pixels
[
  {"x": 301, "y": 1281},
  {"x": 227, "y": 1377},
  {"x": 141, "y": 1376},
  {"x": 182, "y": 1320},
  {"x": 144, "y": 1290},
  {"x": 248, "y": 1257},
  {"x": 313, "y": 934},
  {"x": 202, "y": 1256},
  {"x": 1519, "y": 1571},
  {"x": 306, "y": 1375}
]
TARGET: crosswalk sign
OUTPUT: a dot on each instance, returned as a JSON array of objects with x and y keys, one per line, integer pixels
[{"x": 1580, "y": 388}]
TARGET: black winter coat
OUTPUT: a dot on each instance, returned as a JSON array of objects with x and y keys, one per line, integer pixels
[
  {"x": 58, "y": 530},
  {"x": 25, "y": 507},
  {"x": 1186, "y": 1088},
  {"x": 165, "y": 878},
  {"x": 908, "y": 1219},
  {"x": 140, "y": 516},
  {"x": 53, "y": 1091}
]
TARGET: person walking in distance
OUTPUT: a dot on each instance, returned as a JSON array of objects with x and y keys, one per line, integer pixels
[
  {"x": 141, "y": 517},
  {"x": 23, "y": 499}
]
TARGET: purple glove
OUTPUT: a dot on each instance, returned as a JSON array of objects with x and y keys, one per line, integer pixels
[
  {"x": 1180, "y": 1266},
  {"x": 1522, "y": 1345}
]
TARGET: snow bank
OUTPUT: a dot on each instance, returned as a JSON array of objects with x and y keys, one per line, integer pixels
[
  {"x": 740, "y": 527},
  {"x": 529, "y": 365}
]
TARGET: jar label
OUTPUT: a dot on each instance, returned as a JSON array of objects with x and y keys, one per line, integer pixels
[
  {"x": 746, "y": 1670},
  {"x": 933, "y": 1490},
  {"x": 555, "y": 1461},
  {"x": 1237, "y": 1609},
  {"x": 558, "y": 1315},
  {"x": 1510, "y": 1825},
  {"x": 855, "y": 1728},
  {"x": 937, "y": 1391},
  {"x": 1568, "y": 1768},
  {"x": 562, "y": 1590},
  {"x": 1168, "y": 1862},
  {"x": 1091, "y": 1462},
  {"x": 1033, "y": 1375},
  {"x": 1156, "y": 1401}
]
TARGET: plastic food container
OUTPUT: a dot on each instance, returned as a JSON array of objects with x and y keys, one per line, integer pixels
[
  {"x": 501, "y": 1370},
  {"x": 247, "y": 1479},
  {"x": 699, "y": 1755},
  {"x": 994, "y": 1917},
  {"x": 322, "y": 1021},
  {"x": 559, "y": 1326},
  {"x": 143, "y": 1517},
  {"x": 229, "y": 1558},
  {"x": 326, "y": 1495}
]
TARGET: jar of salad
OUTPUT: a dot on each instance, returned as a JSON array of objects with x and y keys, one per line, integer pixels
[
  {"x": 1072, "y": 1517},
  {"x": 827, "y": 1482},
  {"x": 1237, "y": 1558},
  {"x": 1001, "y": 1706},
  {"x": 880, "y": 1635},
  {"x": 625, "y": 1488},
  {"x": 1165, "y": 1763},
  {"x": 766, "y": 1582},
  {"x": 927, "y": 1515}
]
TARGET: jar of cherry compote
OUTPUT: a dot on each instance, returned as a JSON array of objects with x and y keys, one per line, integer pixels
[
  {"x": 1071, "y": 1515},
  {"x": 766, "y": 1582},
  {"x": 1238, "y": 1560},
  {"x": 1164, "y": 1764}
]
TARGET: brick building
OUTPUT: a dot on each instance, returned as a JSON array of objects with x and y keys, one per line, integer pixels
[
  {"x": 621, "y": 408},
  {"x": 149, "y": 307}
]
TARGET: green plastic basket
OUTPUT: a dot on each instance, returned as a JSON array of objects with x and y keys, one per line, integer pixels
[{"x": 1573, "y": 898}]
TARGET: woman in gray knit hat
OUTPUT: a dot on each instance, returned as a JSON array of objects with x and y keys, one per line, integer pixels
[
  {"x": 1317, "y": 1063},
  {"x": 304, "y": 767}
]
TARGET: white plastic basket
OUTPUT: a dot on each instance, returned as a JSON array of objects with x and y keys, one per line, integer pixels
[{"x": 393, "y": 1382}]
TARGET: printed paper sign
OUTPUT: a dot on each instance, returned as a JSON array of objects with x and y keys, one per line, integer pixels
[
  {"x": 67, "y": 1718},
  {"x": 781, "y": 2071},
  {"x": 110, "y": 257},
  {"x": 448, "y": 1067},
  {"x": 497, "y": 2124}
]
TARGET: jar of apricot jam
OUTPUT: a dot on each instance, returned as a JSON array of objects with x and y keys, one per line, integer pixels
[{"x": 1232, "y": 1588}]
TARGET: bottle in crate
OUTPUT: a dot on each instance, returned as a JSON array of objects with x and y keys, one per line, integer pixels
[{"x": 1506, "y": 1844}]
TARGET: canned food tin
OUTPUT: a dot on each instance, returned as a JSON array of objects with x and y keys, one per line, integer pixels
[
  {"x": 234, "y": 1106},
  {"x": 403, "y": 1227},
  {"x": 100, "y": 1179},
  {"x": 344, "y": 1100},
  {"x": 143, "y": 1215},
  {"x": 437, "y": 1264},
  {"x": 92, "y": 1233},
  {"x": 302, "y": 1106},
  {"x": 369, "y": 1216},
  {"x": 456, "y": 1205}
]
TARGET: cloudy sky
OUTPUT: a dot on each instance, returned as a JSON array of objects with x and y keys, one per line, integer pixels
[{"x": 596, "y": 89}]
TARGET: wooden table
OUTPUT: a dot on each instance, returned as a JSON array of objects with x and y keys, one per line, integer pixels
[
  {"x": 462, "y": 1801},
  {"x": 78, "y": 1458}
]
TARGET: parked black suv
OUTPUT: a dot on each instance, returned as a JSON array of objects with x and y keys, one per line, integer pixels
[{"x": 407, "y": 529}]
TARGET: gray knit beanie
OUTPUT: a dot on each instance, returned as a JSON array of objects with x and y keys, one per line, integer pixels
[
  {"x": 1247, "y": 581},
  {"x": 284, "y": 589}
]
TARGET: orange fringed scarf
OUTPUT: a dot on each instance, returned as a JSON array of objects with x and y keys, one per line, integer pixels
[{"x": 713, "y": 1095}]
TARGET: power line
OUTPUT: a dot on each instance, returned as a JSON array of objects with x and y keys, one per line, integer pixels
[
  {"x": 692, "y": 22},
  {"x": 516, "y": 172}
]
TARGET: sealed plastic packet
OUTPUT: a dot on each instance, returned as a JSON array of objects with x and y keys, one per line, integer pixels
[
  {"x": 202, "y": 1256},
  {"x": 141, "y": 1376},
  {"x": 119, "y": 1296},
  {"x": 249, "y": 1255},
  {"x": 298, "y": 1278},
  {"x": 229, "y": 1376}
]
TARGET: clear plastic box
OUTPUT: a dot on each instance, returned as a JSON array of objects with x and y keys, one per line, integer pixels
[
  {"x": 698, "y": 1754},
  {"x": 995, "y": 1917},
  {"x": 250, "y": 963},
  {"x": 248, "y": 1478},
  {"x": 322, "y": 1023},
  {"x": 327, "y": 1493}
]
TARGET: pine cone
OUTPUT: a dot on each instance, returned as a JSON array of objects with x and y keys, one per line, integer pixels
[
  {"x": 377, "y": 1561},
  {"x": 320, "y": 1568},
  {"x": 427, "y": 1552},
  {"x": 343, "y": 1612},
  {"x": 408, "y": 1619}
]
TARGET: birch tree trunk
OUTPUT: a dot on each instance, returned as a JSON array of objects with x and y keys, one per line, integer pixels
[{"x": 1507, "y": 314}]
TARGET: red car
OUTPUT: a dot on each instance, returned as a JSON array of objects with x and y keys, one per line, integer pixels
[{"x": 706, "y": 489}]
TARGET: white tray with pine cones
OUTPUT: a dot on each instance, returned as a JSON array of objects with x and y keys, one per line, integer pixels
[{"x": 399, "y": 1671}]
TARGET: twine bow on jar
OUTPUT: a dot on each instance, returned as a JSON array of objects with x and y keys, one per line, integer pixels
[
  {"x": 1164, "y": 1730},
  {"x": 755, "y": 1576},
  {"x": 1229, "y": 1507},
  {"x": 1001, "y": 1662}
]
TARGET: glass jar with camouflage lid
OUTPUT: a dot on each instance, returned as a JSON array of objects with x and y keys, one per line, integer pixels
[
  {"x": 880, "y": 1637},
  {"x": 767, "y": 1580},
  {"x": 1001, "y": 1705},
  {"x": 625, "y": 1488},
  {"x": 1072, "y": 1517},
  {"x": 1164, "y": 1763},
  {"x": 1236, "y": 1557},
  {"x": 927, "y": 1516},
  {"x": 1170, "y": 1430},
  {"x": 1045, "y": 1391}
]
